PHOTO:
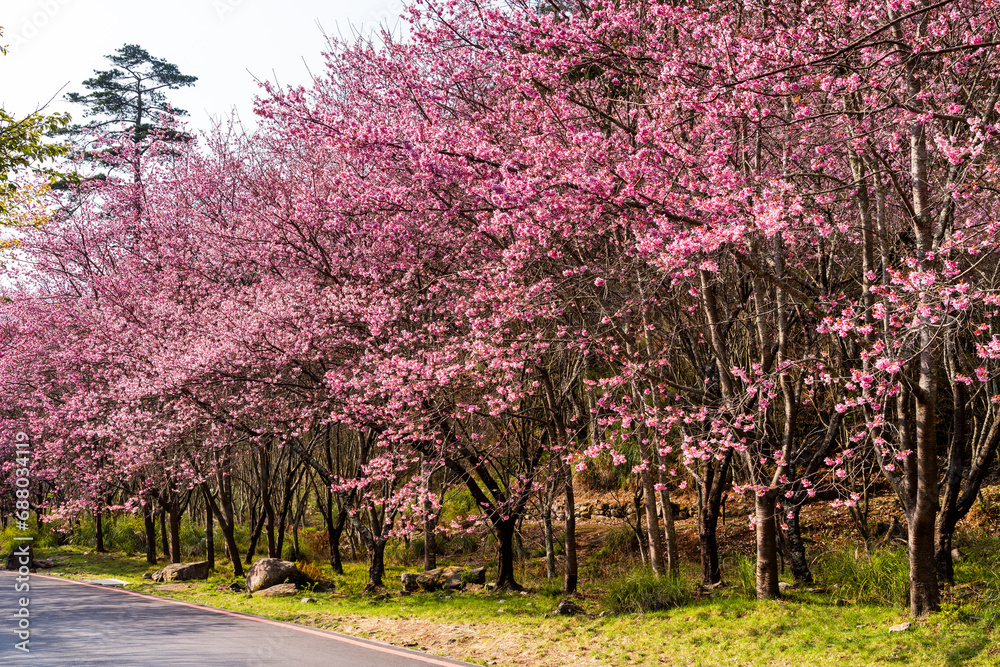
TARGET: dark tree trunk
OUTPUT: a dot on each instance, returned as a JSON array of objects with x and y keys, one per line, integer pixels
[
  {"x": 767, "y": 547},
  {"x": 210, "y": 536},
  {"x": 99, "y": 530},
  {"x": 334, "y": 531},
  {"x": 797, "y": 560},
  {"x": 430, "y": 548},
  {"x": 163, "y": 533},
  {"x": 924, "y": 593},
  {"x": 150, "y": 525},
  {"x": 227, "y": 523},
  {"x": 711, "y": 492},
  {"x": 376, "y": 564},
  {"x": 174, "y": 513},
  {"x": 572, "y": 567},
  {"x": 272, "y": 545},
  {"x": 550, "y": 551},
  {"x": 505, "y": 555},
  {"x": 255, "y": 537}
]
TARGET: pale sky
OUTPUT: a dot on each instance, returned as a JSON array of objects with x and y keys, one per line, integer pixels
[{"x": 225, "y": 43}]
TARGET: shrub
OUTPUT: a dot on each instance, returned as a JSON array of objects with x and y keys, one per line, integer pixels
[{"x": 642, "y": 591}]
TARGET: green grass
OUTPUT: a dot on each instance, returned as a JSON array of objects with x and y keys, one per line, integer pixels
[{"x": 716, "y": 628}]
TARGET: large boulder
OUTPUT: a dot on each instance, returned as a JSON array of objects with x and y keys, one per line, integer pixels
[
  {"x": 448, "y": 578},
  {"x": 268, "y": 572},
  {"x": 182, "y": 572}
]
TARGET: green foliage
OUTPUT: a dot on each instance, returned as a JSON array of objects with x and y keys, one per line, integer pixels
[
  {"x": 124, "y": 533},
  {"x": 620, "y": 542},
  {"x": 601, "y": 474},
  {"x": 878, "y": 578},
  {"x": 641, "y": 591},
  {"x": 43, "y": 539},
  {"x": 131, "y": 92}
]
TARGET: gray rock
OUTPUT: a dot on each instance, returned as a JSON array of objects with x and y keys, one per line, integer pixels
[
  {"x": 448, "y": 578},
  {"x": 569, "y": 608},
  {"x": 268, "y": 572},
  {"x": 476, "y": 576},
  {"x": 409, "y": 581},
  {"x": 22, "y": 553},
  {"x": 182, "y": 572},
  {"x": 146, "y": 575},
  {"x": 277, "y": 591},
  {"x": 45, "y": 563}
]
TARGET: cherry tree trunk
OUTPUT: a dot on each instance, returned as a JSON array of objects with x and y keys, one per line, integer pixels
[
  {"x": 767, "y": 547},
  {"x": 924, "y": 593},
  {"x": 99, "y": 530},
  {"x": 150, "y": 525},
  {"x": 797, "y": 560},
  {"x": 572, "y": 568},
  {"x": 505, "y": 555},
  {"x": 174, "y": 514}
]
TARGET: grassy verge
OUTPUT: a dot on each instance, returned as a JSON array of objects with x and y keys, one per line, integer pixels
[{"x": 836, "y": 624}]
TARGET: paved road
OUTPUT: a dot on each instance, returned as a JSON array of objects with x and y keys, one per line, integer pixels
[{"x": 81, "y": 624}]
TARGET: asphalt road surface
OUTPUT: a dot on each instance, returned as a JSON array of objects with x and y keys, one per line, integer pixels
[{"x": 73, "y": 623}]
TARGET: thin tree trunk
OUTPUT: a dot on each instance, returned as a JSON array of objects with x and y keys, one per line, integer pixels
[
  {"x": 150, "y": 525},
  {"x": 99, "y": 530},
  {"x": 550, "y": 551},
  {"x": 174, "y": 513},
  {"x": 163, "y": 532},
  {"x": 430, "y": 550},
  {"x": 767, "y": 548},
  {"x": 572, "y": 567},
  {"x": 210, "y": 535}
]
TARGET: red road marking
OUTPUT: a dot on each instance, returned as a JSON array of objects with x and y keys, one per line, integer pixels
[{"x": 321, "y": 633}]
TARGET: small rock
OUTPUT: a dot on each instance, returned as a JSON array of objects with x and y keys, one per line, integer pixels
[
  {"x": 276, "y": 591},
  {"x": 902, "y": 627},
  {"x": 146, "y": 575},
  {"x": 476, "y": 576},
  {"x": 307, "y": 600},
  {"x": 569, "y": 608}
]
